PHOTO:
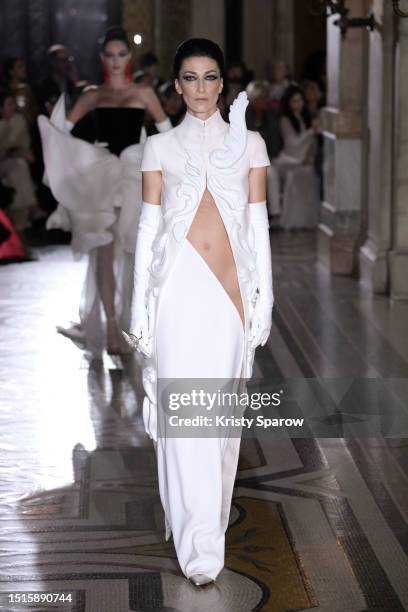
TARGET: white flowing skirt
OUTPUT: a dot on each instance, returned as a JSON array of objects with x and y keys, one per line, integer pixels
[{"x": 199, "y": 335}]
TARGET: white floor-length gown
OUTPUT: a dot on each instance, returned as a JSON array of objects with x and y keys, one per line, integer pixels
[{"x": 197, "y": 330}]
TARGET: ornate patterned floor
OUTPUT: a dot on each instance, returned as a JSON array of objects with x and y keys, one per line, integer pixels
[{"x": 316, "y": 524}]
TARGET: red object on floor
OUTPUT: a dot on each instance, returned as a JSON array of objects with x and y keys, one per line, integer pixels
[{"x": 12, "y": 247}]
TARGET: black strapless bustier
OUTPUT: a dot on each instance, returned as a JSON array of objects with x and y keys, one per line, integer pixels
[{"x": 119, "y": 127}]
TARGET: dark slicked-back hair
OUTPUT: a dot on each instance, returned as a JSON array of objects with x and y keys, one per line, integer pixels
[
  {"x": 198, "y": 47},
  {"x": 286, "y": 111},
  {"x": 114, "y": 33}
]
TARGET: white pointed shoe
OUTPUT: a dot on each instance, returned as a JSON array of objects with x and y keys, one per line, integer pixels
[{"x": 200, "y": 579}]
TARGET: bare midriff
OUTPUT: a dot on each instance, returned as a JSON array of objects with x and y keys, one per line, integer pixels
[{"x": 209, "y": 237}]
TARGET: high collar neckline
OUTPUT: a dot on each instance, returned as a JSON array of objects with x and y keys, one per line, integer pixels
[
  {"x": 194, "y": 128},
  {"x": 196, "y": 121}
]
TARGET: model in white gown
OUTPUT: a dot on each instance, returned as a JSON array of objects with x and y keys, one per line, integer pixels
[{"x": 199, "y": 326}]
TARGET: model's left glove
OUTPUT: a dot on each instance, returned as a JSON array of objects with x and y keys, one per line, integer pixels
[
  {"x": 261, "y": 322},
  {"x": 149, "y": 222}
]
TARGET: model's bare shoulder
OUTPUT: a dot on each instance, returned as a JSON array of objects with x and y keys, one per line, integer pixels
[{"x": 90, "y": 96}]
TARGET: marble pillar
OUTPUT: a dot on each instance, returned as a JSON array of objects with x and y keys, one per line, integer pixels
[
  {"x": 374, "y": 253},
  {"x": 398, "y": 257},
  {"x": 344, "y": 135}
]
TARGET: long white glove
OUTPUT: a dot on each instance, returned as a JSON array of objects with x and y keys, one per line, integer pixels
[
  {"x": 149, "y": 222},
  {"x": 262, "y": 317}
]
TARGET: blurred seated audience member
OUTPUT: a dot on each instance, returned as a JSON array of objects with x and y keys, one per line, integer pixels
[
  {"x": 262, "y": 119},
  {"x": 15, "y": 157},
  {"x": 295, "y": 163},
  {"x": 236, "y": 80},
  {"x": 15, "y": 73},
  {"x": 62, "y": 78},
  {"x": 172, "y": 102},
  {"x": 278, "y": 77},
  {"x": 267, "y": 122},
  {"x": 148, "y": 71}
]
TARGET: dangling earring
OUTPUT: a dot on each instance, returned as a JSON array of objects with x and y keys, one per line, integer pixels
[
  {"x": 106, "y": 76},
  {"x": 128, "y": 72}
]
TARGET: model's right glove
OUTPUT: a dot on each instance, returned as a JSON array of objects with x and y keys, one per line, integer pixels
[
  {"x": 261, "y": 321},
  {"x": 149, "y": 222}
]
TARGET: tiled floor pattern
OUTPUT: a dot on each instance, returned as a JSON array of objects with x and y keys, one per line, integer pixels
[{"x": 316, "y": 523}]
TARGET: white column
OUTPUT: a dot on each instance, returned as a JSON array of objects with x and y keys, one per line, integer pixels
[
  {"x": 399, "y": 253},
  {"x": 343, "y": 123},
  {"x": 374, "y": 267}
]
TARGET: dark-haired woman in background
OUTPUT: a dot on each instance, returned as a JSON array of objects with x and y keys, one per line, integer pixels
[
  {"x": 296, "y": 163},
  {"x": 203, "y": 295},
  {"x": 98, "y": 187}
]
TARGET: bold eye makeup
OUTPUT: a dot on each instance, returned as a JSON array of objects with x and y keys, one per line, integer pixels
[{"x": 189, "y": 76}]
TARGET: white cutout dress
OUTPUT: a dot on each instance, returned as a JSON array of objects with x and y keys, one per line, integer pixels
[{"x": 196, "y": 328}]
